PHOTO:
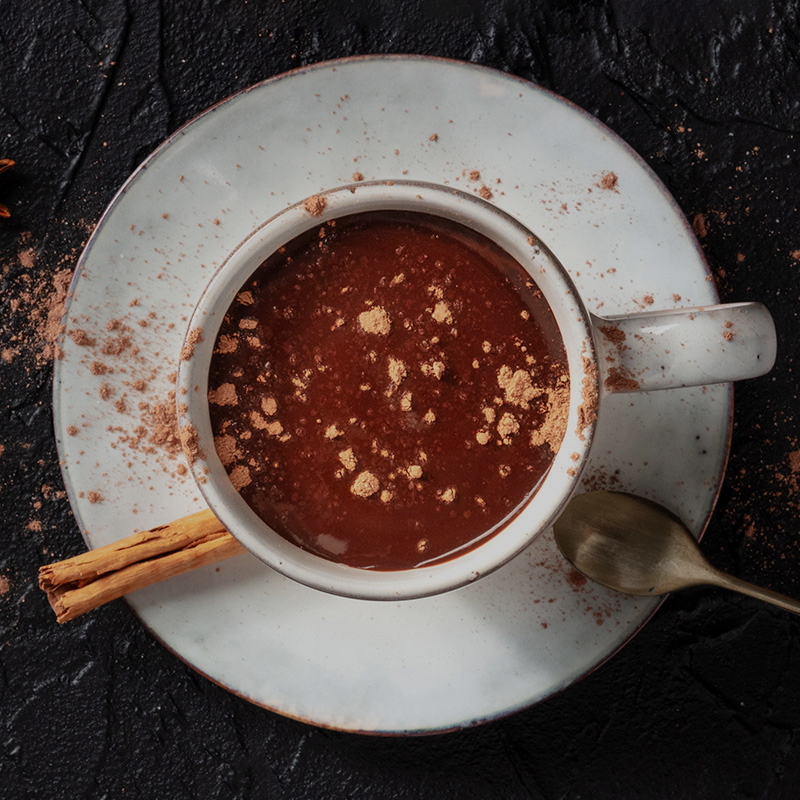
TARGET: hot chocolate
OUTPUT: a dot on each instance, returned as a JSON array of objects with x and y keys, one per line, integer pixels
[{"x": 388, "y": 389}]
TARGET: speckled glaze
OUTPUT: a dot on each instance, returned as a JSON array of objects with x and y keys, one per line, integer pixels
[{"x": 530, "y": 628}]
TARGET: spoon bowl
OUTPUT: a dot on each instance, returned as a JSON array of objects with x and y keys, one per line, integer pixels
[{"x": 638, "y": 547}]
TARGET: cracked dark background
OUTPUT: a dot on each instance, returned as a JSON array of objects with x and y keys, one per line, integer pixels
[{"x": 705, "y": 701}]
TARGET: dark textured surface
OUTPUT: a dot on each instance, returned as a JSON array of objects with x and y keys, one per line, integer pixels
[{"x": 705, "y": 702}]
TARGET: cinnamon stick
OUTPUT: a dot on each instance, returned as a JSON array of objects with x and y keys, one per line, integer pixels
[{"x": 86, "y": 581}]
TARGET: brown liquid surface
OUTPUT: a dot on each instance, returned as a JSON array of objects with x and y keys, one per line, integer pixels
[{"x": 388, "y": 389}]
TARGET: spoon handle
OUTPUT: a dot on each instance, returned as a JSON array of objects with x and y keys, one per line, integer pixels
[{"x": 738, "y": 585}]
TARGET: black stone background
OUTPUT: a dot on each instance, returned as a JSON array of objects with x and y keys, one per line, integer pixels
[{"x": 705, "y": 702}]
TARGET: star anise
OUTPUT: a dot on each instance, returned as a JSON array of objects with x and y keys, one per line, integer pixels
[{"x": 5, "y": 163}]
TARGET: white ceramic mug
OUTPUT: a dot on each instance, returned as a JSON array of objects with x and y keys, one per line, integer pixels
[{"x": 637, "y": 352}]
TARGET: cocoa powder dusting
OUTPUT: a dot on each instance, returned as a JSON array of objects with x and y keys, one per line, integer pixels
[
  {"x": 36, "y": 327},
  {"x": 192, "y": 338},
  {"x": 115, "y": 345},
  {"x": 619, "y": 379},
  {"x": 27, "y": 258},
  {"x": 33, "y": 320},
  {"x": 554, "y": 428},
  {"x": 161, "y": 421},
  {"x": 51, "y": 327},
  {"x": 576, "y": 580},
  {"x": 81, "y": 338},
  {"x": 587, "y": 411},
  {"x": 613, "y": 333},
  {"x": 188, "y": 437}
]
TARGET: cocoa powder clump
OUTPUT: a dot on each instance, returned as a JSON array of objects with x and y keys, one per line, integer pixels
[
  {"x": 333, "y": 432},
  {"x": 518, "y": 387},
  {"x": 116, "y": 345},
  {"x": 226, "y": 448},
  {"x": 365, "y": 484},
  {"x": 161, "y": 421},
  {"x": 441, "y": 313},
  {"x": 552, "y": 430},
  {"x": 81, "y": 338},
  {"x": 269, "y": 406},
  {"x": 195, "y": 336},
  {"x": 315, "y": 205},
  {"x": 609, "y": 181},
  {"x": 376, "y": 321},
  {"x": 227, "y": 344},
  {"x": 224, "y": 395},
  {"x": 448, "y": 495},
  {"x": 189, "y": 441},
  {"x": 348, "y": 459},
  {"x": 240, "y": 477},
  {"x": 507, "y": 427},
  {"x": 397, "y": 371}
]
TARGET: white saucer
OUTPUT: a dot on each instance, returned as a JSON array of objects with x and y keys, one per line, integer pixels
[{"x": 475, "y": 654}]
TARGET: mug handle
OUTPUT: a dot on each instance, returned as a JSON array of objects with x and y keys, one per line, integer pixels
[{"x": 684, "y": 347}]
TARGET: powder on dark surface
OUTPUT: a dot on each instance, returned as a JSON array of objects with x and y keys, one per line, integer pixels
[
  {"x": 36, "y": 305},
  {"x": 700, "y": 226}
]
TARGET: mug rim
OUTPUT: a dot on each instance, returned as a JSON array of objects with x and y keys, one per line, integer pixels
[{"x": 530, "y": 519}]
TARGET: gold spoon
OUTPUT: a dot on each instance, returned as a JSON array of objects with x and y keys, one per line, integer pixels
[{"x": 636, "y": 546}]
